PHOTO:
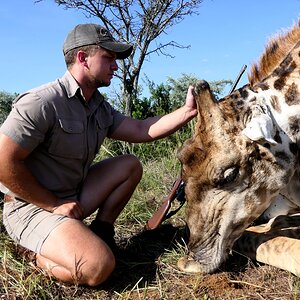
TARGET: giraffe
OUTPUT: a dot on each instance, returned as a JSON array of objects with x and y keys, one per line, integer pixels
[{"x": 241, "y": 166}]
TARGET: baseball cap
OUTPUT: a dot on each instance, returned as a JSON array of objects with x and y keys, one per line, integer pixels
[{"x": 94, "y": 34}]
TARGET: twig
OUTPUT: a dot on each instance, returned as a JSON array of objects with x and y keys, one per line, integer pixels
[{"x": 246, "y": 283}]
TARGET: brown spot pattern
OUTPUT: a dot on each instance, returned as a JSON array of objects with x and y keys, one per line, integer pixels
[
  {"x": 275, "y": 103},
  {"x": 283, "y": 71},
  {"x": 279, "y": 83},
  {"x": 292, "y": 95}
]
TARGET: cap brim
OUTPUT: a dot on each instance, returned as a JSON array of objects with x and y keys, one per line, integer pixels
[{"x": 122, "y": 50}]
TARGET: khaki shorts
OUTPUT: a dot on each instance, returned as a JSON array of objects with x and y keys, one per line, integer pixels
[{"x": 29, "y": 225}]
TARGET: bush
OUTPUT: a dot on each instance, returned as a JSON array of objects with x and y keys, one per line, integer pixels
[{"x": 6, "y": 100}]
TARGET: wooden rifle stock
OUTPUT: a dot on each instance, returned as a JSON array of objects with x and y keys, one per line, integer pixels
[{"x": 160, "y": 214}]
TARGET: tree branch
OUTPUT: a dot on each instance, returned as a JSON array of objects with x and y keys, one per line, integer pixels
[{"x": 139, "y": 22}]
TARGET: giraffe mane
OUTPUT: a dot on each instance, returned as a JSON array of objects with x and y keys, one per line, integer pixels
[{"x": 276, "y": 50}]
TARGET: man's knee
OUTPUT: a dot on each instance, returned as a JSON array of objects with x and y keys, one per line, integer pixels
[
  {"x": 136, "y": 167},
  {"x": 95, "y": 273}
]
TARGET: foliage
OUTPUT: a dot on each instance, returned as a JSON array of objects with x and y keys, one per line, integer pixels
[
  {"x": 6, "y": 100},
  {"x": 157, "y": 104},
  {"x": 139, "y": 23},
  {"x": 218, "y": 87},
  {"x": 164, "y": 98},
  {"x": 179, "y": 88}
]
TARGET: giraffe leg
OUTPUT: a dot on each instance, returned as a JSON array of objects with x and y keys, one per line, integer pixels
[
  {"x": 281, "y": 252},
  {"x": 275, "y": 243}
]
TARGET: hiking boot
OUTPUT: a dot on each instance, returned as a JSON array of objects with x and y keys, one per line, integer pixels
[{"x": 105, "y": 231}]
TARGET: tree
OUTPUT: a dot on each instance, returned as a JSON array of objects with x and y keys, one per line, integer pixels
[
  {"x": 180, "y": 85},
  {"x": 158, "y": 102},
  {"x": 166, "y": 97},
  {"x": 218, "y": 86},
  {"x": 139, "y": 22}
]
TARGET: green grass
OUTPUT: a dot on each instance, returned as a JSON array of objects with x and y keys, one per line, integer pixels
[{"x": 147, "y": 270}]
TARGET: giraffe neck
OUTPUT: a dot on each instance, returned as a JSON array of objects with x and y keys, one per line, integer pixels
[
  {"x": 286, "y": 114},
  {"x": 273, "y": 123},
  {"x": 277, "y": 80}
]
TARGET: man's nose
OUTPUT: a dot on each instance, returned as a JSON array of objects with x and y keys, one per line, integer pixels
[{"x": 115, "y": 66}]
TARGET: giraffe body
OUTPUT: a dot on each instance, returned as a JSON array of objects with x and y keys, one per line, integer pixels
[{"x": 242, "y": 164}]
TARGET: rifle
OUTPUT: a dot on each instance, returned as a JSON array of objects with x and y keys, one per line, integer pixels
[{"x": 177, "y": 192}]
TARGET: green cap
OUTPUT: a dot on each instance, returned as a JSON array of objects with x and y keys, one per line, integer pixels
[{"x": 94, "y": 34}]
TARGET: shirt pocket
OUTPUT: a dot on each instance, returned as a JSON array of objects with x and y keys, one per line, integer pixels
[{"x": 68, "y": 139}]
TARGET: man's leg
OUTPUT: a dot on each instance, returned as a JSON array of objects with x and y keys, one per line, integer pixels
[
  {"x": 73, "y": 253},
  {"x": 109, "y": 186}
]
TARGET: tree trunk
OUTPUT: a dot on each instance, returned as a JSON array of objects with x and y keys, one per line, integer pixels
[{"x": 128, "y": 103}]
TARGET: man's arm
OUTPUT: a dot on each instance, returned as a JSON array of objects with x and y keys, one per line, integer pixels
[
  {"x": 16, "y": 177},
  {"x": 150, "y": 129}
]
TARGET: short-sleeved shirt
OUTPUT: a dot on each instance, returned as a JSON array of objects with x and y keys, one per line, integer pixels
[{"x": 62, "y": 131}]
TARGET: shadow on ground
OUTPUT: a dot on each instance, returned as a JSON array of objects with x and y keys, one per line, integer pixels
[{"x": 136, "y": 260}]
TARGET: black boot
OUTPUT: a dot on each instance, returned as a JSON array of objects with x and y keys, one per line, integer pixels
[{"x": 105, "y": 231}]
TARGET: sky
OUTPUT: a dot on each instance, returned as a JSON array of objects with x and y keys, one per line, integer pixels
[{"x": 225, "y": 35}]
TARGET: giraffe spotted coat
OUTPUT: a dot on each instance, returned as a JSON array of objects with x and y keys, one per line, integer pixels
[{"x": 242, "y": 165}]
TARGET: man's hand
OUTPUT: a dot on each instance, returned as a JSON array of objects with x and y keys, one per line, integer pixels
[
  {"x": 69, "y": 208},
  {"x": 190, "y": 102}
]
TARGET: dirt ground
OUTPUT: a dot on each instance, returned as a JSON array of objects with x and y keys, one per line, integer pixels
[{"x": 143, "y": 263}]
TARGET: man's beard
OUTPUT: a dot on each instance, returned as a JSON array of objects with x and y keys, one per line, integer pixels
[
  {"x": 102, "y": 84},
  {"x": 94, "y": 82}
]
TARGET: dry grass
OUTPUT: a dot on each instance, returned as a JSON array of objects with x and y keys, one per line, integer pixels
[{"x": 146, "y": 265}]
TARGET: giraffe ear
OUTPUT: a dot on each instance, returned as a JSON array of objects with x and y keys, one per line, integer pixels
[{"x": 261, "y": 127}]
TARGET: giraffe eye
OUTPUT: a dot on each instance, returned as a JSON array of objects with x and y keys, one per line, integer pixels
[{"x": 229, "y": 176}]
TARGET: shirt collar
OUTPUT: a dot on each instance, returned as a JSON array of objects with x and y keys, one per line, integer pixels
[
  {"x": 73, "y": 89},
  {"x": 70, "y": 84}
]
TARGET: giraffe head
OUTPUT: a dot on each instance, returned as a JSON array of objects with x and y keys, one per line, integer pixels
[
  {"x": 231, "y": 172},
  {"x": 243, "y": 153}
]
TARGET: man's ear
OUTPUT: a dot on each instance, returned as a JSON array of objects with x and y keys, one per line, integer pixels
[{"x": 81, "y": 56}]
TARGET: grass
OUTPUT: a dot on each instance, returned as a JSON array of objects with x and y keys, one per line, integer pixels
[{"x": 147, "y": 269}]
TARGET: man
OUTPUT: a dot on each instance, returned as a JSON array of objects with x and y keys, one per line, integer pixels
[{"x": 47, "y": 146}]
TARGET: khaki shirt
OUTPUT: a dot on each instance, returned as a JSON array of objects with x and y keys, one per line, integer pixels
[{"x": 62, "y": 131}]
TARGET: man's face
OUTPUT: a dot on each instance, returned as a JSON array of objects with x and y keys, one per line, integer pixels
[{"x": 101, "y": 67}]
